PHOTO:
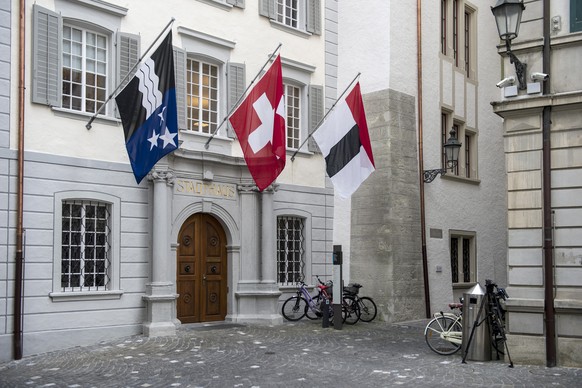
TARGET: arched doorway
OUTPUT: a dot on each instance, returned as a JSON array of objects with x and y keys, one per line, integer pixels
[{"x": 201, "y": 270}]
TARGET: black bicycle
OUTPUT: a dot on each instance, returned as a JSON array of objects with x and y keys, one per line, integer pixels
[{"x": 366, "y": 306}]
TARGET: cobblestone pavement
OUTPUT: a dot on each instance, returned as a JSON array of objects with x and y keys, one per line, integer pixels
[{"x": 299, "y": 354}]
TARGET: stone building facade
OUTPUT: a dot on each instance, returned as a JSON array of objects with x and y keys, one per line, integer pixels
[
  {"x": 544, "y": 206},
  {"x": 463, "y": 210},
  {"x": 195, "y": 241}
]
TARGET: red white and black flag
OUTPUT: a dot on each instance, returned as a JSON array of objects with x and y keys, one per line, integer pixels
[
  {"x": 344, "y": 141},
  {"x": 259, "y": 123}
]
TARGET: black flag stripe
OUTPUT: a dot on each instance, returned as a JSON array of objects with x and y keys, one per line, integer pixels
[{"x": 344, "y": 151}]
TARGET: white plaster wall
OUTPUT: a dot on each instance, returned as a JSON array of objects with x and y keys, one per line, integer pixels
[
  {"x": 455, "y": 204},
  {"x": 377, "y": 38},
  {"x": 255, "y": 40}
]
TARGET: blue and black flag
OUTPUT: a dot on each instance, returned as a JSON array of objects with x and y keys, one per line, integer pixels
[{"x": 147, "y": 106}]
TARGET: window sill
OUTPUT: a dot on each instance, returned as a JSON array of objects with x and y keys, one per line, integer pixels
[
  {"x": 472, "y": 181},
  {"x": 218, "y": 3},
  {"x": 463, "y": 286},
  {"x": 292, "y": 30},
  {"x": 82, "y": 116},
  {"x": 84, "y": 295},
  {"x": 196, "y": 141}
]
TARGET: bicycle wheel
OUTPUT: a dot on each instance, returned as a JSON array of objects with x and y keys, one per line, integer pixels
[
  {"x": 368, "y": 309},
  {"x": 294, "y": 308},
  {"x": 432, "y": 335},
  {"x": 316, "y": 313},
  {"x": 351, "y": 310},
  {"x": 497, "y": 336}
]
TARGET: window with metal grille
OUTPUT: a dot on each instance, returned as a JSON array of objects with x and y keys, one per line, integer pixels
[
  {"x": 463, "y": 261},
  {"x": 293, "y": 95},
  {"x": 84, "y": 69},
  {"x": 202, "y": 96},
  {"x": 288, "y": 12},
  {"x": 290, "y": 249},
  {"x": 85, "y": 246}
]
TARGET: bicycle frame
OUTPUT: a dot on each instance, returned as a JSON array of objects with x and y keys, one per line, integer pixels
[
  {"x": 310, "y": 299},
  {"x": 455, "y": 337}
]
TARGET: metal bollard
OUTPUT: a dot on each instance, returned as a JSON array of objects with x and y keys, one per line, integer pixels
[{"x": 325, "y": 312}]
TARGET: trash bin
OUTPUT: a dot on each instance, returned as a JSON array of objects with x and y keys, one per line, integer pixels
[{"x": 480, "y": 346}]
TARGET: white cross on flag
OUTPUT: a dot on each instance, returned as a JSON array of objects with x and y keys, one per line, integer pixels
[{"x": 259, "y": 123}]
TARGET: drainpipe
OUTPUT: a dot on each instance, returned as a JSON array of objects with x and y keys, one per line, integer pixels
[
  {"x": 420, "y": 157},
  {"x": 18, "y": 284},
  {"x": 547, "y": 189}
]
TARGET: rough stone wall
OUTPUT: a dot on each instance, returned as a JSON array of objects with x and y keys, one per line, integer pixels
[{"x": 386, "y": 245}]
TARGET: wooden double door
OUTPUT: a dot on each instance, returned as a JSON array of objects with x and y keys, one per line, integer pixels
[{"x": 201, "y": 267}]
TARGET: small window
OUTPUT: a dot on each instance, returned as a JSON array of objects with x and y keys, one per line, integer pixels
[
  {"x": 287, "y": 12},
  {"x": 290, "y": 250},
  {"x": 575, "y": 15},
  {"x": 84, "y": 69},
  {"x": 444, "y": 8},
  {"x": 85, "y": 246},
  {"x": 293, "y": 97},
  {"x": 444, "y": 137},
  {"x": 303, "y": 16},
  {"x": 468, "y": 156},
  {"x": 202, "y": 96},
  {"x": 463, "y": 261},
  {"x": 456, "y": 32},
  {"x": 455, "y": 169},
  {"x": 468, "y": 44}
]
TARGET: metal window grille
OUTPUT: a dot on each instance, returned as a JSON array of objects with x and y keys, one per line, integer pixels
[
  {"x": 85, "y": 246},
  {"x": 456, "y": 32},
  {"x": 468, "y": 156},
  {"x": 466, "y": 260},
  {"x": 287, "y": 12},
  {"x": 468, "y": 44},
  {"x": 455, "y": 169},
  {"x": 444, "y": 139},
  {"x": 202, "y": 96},
  {"x": 455, "y": 259},
  {"x": 290, "y": 250},
  {"x": 444, "y": 27},
  {"x": 84, "y": 70},
  {"x": 293, "y": 116}
]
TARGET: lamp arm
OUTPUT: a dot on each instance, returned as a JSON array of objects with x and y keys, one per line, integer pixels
[
  {"x": 429, "y": 175},
  {"x": 520, "y": 67}
]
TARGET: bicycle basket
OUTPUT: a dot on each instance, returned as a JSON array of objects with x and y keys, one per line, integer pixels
[{"x": 352, "y": 288}]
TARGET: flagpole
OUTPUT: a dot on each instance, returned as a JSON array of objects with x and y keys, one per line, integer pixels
[
  {"x": 323, "y": 118},
  {"x": 240, "y": 98},
  {"x": 130, "y": 72}
]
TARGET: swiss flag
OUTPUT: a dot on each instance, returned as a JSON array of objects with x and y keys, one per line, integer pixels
[{"x": 259, "y": 123}]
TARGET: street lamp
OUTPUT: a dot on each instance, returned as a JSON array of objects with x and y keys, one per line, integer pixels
[
  {"x": 508, "y": 18},
  {"x": 452, "y": 147}
]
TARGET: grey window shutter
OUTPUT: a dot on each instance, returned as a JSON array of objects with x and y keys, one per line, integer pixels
[
  {"x": 127, "y": 56},
  {"x": 46, "y": 56},
  {"x": 236, "y": 86},
  {"x": 315, "y": 112},
  {"x": 128, "y": 51},
  {"x": 180, "y": 75},
  {"x": 267, "y": 8},
  {"x": 236, "y": 3},
  {"x": 314, "y": 16}
]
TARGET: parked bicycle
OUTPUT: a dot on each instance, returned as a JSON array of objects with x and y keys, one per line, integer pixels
[
  {"x": 304, "y": 304},
  {"x": 366, "y": 306},
  {"x": 444, "y": 333}
]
